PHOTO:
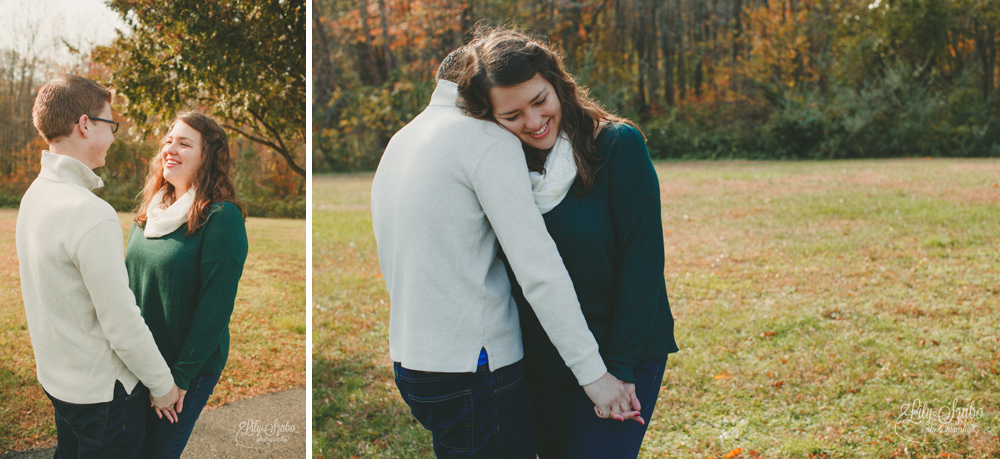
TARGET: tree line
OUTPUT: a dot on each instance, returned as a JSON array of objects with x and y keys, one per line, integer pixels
[
  {"x": 769, "y": 79},
  {"x": 242, "y": 63}
]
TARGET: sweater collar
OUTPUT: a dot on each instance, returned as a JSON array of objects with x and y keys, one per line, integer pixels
[
  {"x": 446, "y": 93},
  {"x": 62, "y": 168}
]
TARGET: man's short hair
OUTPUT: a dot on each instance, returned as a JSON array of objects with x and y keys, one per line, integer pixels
[
  {"x": 63, "y": 100},
  {"x": 453, "y": 65}
]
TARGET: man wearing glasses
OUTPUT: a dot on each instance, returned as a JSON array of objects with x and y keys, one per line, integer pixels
[{"x": 94, "y": 355}]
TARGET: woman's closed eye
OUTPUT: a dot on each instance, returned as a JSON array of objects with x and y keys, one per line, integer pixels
[{"x": 538, "y": 103}]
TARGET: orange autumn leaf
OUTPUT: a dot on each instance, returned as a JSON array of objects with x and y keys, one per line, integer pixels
[
  {"x": 724, "y": 375},
  {"x": 734, "y": 453}
]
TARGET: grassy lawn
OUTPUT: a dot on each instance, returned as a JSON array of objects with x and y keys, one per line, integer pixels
[
  {"x": 814, "y": 302},
  {"x": 267, "y": 349}
]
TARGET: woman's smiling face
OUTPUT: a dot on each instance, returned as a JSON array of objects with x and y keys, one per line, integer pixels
[
  {"x": 181, "y": 155},
  {"x": 531, "y": 110}
]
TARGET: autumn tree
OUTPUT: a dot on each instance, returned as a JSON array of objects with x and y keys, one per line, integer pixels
[
  {"x": 242, "y": 62},
  {"x": 703, "y": 78}
]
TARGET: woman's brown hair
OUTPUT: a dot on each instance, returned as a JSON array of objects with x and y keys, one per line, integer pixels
[
  {"x": 501, "y": 56},
  {"x": 212, "y": 182}
]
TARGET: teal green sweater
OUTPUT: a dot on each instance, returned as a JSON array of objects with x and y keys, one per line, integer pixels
[
  {"x": 611, "y": 241},
  {"x": 186, "y": 289}
]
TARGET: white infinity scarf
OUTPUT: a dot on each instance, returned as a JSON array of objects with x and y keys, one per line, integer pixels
[
  {"x": 160, "y": 220},
  {"x": 560, "y": 171}
]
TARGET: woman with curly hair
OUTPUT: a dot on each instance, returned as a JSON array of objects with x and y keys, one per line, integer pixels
[
  {"x": 600, "y": 198},
  {"x": 185, "y": 257}
]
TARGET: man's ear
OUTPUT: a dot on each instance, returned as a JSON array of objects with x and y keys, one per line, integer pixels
[{"x": 83, "y": 126}]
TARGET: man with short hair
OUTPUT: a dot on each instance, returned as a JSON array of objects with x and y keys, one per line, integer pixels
[
  {"x": 94, "y": 355},
  {"x": 449, "y": 190}
]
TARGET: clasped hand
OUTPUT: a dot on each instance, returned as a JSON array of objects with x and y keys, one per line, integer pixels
[
  {"x": 168, "y": 405},
  {"x": 614, "y": 399}
]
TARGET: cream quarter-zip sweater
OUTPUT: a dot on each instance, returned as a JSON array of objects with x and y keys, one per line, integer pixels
[
  {"x": 85, "y": 327},
  {"x": 448, "y": 189}
]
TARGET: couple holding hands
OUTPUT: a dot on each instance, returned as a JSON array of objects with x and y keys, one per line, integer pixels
[
  {"x": 519, "y": 235},
  {"x": 128, "y": 346}
]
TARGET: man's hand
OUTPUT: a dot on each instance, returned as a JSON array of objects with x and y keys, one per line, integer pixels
[
  {"x": 164, "y": 405},
  {"x": 165, "y": 401},
  {"x": 612, "y": 399}
]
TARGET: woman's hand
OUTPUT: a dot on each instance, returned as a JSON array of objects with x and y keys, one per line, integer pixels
[
  {"x": 181, "y": 392},
  {"x": 636, "y": 406},
  {"x": 613, "y": 399},
  {"x": 169, "y": 405}
]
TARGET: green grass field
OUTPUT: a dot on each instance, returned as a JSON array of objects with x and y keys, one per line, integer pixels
[
  {"x": 814, "y": 302},
  {"x": 267, "y": 349}
]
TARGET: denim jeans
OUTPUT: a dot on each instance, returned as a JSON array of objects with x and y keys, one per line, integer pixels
[
  {"x": 573, "y": 430},
  {"x": 166, "y": 440},
  {"x": 473, "y": 415},
  {"x": 102, "y": 430}
]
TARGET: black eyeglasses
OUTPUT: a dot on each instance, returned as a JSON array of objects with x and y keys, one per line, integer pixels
[{"x": 114, "y": 124}]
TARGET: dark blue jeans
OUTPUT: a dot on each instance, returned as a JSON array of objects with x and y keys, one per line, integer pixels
[
  {"x": 165, "y": 440},
  {"x": 572, "y": 429},
  {"x": 473, "y": 415},
  {"x": 102, "y": 430}
]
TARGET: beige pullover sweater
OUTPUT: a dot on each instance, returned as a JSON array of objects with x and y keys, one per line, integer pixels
[
  {"x": 85, "y": 327},
  {"x": 447, "y": 190}
]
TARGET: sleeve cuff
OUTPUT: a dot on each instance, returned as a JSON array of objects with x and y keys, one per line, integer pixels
[
  {"x": 622, "y": 371},
  {"x": 182, "y": 381},
  {"x": 589, "y": 369},
  {"x": 160, "y": 388}
]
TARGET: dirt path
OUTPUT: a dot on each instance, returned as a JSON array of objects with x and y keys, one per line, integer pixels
[{"x": 271, "y": 426}]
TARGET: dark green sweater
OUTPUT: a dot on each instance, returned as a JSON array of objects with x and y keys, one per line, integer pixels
[
  {"x": 611, "y": 241},
  {"x": 186, "y": 289}
]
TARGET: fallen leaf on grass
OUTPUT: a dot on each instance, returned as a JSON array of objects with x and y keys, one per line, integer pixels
[
  {"x": 779, "y": 384},
  {"x": 724, "y": 375},
  {"x": 734, "y": 453}
]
